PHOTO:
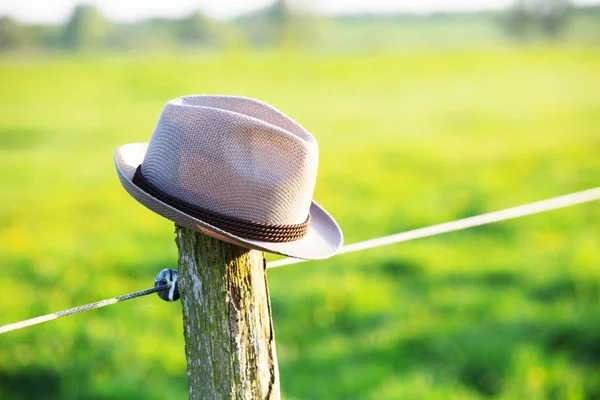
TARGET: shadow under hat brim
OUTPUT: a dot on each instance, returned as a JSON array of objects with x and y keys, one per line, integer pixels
[{"x": 323, "y": 239}]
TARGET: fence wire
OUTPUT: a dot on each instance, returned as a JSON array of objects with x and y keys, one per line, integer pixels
[
  {"x": 75, "y": 310},
  {"x": 478, "y": 220},
  {"x": 483, "y": 219}
]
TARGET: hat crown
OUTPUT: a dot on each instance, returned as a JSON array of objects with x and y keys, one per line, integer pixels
[{"x": 233, "y": 155}]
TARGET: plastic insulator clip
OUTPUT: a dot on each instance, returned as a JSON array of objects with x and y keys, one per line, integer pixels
[{"x": 167, "y": 277}]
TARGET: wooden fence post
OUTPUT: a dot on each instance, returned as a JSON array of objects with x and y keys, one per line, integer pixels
[{"x": 228, "y": 331}]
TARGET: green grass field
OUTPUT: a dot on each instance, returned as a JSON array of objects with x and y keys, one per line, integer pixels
[{"x": 407, "y": 139}]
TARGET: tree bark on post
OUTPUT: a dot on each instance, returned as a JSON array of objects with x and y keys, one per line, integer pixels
[{"x": 228, "y": 330}]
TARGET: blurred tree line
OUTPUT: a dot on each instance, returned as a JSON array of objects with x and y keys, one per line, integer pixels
[
  {"x": 275, "y": 25},
  {"x": 527, "y": 17},
  {"x": 88, "y": 29}
]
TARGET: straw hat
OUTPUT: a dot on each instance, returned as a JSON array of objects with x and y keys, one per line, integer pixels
[{"x": 236, "y": 169}]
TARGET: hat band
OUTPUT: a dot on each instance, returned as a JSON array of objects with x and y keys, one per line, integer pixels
[{"x": 240, "y": 227}]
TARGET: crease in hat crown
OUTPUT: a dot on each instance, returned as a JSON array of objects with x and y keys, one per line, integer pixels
[{"x": 233, "y": 155}]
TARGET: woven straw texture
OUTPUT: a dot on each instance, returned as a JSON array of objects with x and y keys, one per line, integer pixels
[
  {"x": 235, "y": 156},
  {"x": 230, "y": 160}
]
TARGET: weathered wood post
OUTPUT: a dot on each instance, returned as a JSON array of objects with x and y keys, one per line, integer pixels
[{"x": 228, "y": 331}]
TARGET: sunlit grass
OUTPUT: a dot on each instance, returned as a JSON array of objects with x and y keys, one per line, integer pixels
[{"x": 406, "y": 140}]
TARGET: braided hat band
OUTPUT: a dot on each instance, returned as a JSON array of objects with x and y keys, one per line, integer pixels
[{"x": 243, "y": 228}]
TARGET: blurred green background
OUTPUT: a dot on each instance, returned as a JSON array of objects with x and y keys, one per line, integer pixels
[{"x": 420, "y": 120}]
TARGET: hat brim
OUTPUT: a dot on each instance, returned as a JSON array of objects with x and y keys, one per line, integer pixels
[{"x": 323, "y": 239}]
